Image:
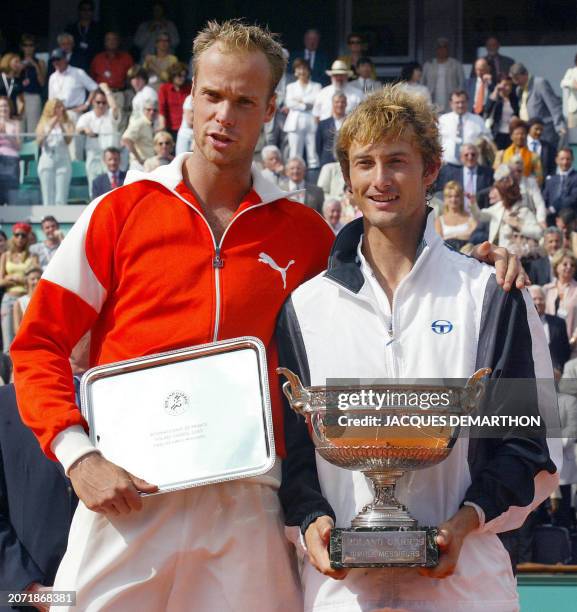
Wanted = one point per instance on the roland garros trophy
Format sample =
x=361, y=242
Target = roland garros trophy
x=383, y=534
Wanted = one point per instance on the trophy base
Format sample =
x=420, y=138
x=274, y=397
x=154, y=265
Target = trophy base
x=383, y=547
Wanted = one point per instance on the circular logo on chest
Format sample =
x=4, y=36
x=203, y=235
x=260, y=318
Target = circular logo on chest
x=176, y=403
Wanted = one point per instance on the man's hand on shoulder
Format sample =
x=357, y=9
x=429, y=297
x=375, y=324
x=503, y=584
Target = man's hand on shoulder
x=450, y=540
x=508, y=268
x=317, y=538
x=107, y=488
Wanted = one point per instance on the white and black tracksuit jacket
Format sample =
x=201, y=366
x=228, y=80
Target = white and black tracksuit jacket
x=338, y=326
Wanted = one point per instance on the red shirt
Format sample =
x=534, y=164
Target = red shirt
x=170, y=104
x=111, y=70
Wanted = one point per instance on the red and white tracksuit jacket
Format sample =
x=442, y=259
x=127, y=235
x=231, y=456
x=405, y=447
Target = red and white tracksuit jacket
x=142, y=271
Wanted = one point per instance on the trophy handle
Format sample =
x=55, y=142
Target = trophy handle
x=296, y=394
x=474, y=389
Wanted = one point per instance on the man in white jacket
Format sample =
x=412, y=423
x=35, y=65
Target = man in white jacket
x=372, y=315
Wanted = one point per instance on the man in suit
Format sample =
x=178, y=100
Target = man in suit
x=327, y=129
x=537, y=99
x=471, y=176
x=443, y=75
x=560, y=189
x=113, y=177
x=459, y=127
x=540, y=270
x=36, y=505
x=543, y=148
x=555, y=330
x=311, y=195
x=317, y=58
x=499, y=64
x=479, y=86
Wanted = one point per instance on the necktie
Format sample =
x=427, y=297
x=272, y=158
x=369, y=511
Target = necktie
x=534, y=146
x=459, y=140
x=480, y=98
x=470, y=182
x=561, y=185
x=113, y=181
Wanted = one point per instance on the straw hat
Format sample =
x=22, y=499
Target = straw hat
x=339, y=67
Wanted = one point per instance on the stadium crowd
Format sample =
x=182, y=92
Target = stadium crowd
x=508, y=174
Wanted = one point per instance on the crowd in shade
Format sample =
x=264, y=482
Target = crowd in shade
x=507, y=177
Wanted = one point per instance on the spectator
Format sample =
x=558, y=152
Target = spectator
x=316, y=58
x=33, y=80
x=171, y=98
x=501, y=107
x=100, y=126
x=54, y=133
x=339, y=74
x=459, y=127
x=113, y=177
x=410, y=80
x=331, y=181
x=65, y=43
x=11, y=83
x=500, y=64
x=300, y=125
x=540, y=270
x=272, y=162
x=44, y=251
x=32, y=276
x=3, y=242
x=508, y=219
x=356, y=46
x=164, y=151
x=560, y=189
x=87, y=35
x=142, y=90
x=36, y=507
x=569, y=86
x=329, y=128
x=138, y=137
x=310, y=194
x=471, y=176
x=365, y=82
x=537, y=99
x=561, y=294
x=530, y=191
x=13, y=265
x=147, y=32
x=332, y=213
x=111, y=66
x=531, y=161
x=479, y=87
x=543, y=148
x=455, y=224
x=184, y=137
x=443, y=75
x=71, y=85
x=9, y=153
x=159, y=63
x=555, y=331
x=566, y=221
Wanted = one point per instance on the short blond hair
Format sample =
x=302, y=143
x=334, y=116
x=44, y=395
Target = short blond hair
x=559, y=256
x=234, y=35
x=453, y=186
x=390, y=114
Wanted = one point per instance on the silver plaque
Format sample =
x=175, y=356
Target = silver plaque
x=184, y=418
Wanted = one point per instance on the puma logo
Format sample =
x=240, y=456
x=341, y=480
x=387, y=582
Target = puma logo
x=269, y=261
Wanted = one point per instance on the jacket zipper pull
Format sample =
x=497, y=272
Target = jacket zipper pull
x=390, y=332
x=217, y=261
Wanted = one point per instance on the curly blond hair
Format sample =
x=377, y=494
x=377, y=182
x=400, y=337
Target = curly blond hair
x=389, y=114
x=235, y=35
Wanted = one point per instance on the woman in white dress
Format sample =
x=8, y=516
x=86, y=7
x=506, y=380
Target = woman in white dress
x=455, y=223
x=300, y=125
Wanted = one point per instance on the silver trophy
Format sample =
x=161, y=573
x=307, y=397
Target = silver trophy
x=383, y=442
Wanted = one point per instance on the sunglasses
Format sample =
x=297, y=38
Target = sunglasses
x=164, y=143
x=20, y=235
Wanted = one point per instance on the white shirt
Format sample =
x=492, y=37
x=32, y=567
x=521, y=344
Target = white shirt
x=441, y=94
x=473, y=129
x=145, y=94
x=469, y=181
x=323, y=107
x=506, y=116
x=310, y=56
x=70, y=86
x=106, y=126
